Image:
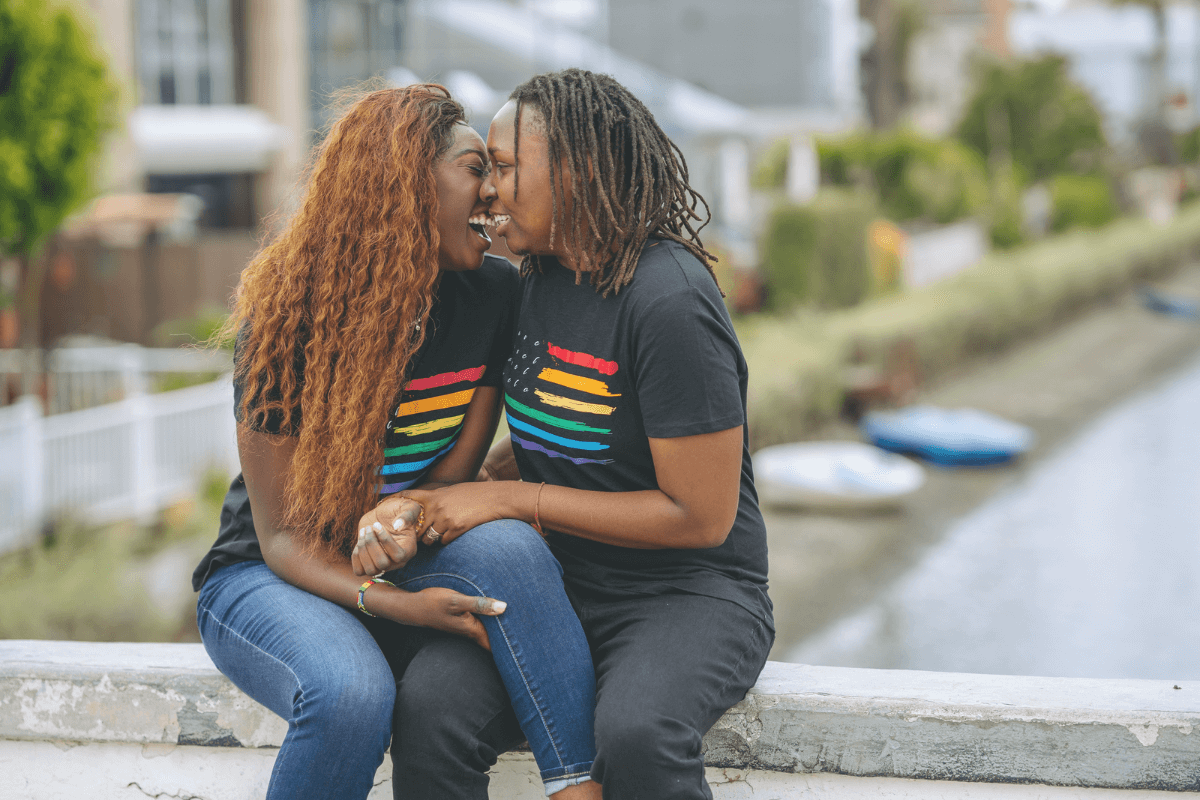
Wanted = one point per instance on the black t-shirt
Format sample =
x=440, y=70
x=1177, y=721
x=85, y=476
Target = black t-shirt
x=591, y=378
x=469, y=339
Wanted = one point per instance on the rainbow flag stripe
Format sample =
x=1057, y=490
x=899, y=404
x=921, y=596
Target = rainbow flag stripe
x=573, y=405
x=577, y=382
x=525, y=427
x=414, y=466
x=534, y=446
x=435, y=403
x=550, y=419
x=445, y=379
x=582, y=359
x=425, y=425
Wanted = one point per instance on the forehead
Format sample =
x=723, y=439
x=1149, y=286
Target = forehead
x=500, y=134
x=463, y=137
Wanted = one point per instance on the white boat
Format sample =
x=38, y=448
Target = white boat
x=834, y=475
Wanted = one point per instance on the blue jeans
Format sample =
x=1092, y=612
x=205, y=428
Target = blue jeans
x=314, y=664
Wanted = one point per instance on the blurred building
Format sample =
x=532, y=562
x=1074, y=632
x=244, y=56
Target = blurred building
x=225, y=97
x=938, y=68
x=215, y=95
x=217, y=99
x=720, y=79
x=1111, y=52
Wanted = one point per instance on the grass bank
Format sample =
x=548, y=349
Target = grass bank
x=797, y=362
x=117, y=582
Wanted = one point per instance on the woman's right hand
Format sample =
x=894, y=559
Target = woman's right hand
x=387, y=536
x=447, y=610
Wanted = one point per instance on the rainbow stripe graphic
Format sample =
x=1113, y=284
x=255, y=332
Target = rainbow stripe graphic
x=545, y=429
x=445, y=379
x=574, y=405
x=582, y=359
x=425, y=427
x=539, y=449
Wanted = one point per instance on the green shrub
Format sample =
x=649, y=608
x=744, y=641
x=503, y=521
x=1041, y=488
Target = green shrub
x=1081, y=202
x=817, y=253
x=198, y=329
x=1031, y=111
x=771, y=170
x=1189, y=146
x=1005, y=217
x=796, y=362
x=916, y=177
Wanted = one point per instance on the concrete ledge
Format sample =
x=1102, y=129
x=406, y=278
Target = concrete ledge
x=923, y=727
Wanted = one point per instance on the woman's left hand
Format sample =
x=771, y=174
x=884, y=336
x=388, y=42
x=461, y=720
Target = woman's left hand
x=453, y=510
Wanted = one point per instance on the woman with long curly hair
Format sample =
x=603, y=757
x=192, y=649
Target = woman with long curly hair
x=371, y=336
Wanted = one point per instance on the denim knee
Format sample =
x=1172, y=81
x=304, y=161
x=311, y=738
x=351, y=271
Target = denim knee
x=503, y=548
x=352, y=703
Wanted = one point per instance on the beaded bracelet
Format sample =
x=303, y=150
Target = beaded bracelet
x=362, y=591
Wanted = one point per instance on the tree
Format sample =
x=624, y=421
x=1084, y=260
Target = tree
x=1032, y=114
x=57, y=103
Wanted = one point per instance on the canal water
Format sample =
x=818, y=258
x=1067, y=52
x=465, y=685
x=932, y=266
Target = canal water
x=1089, y=566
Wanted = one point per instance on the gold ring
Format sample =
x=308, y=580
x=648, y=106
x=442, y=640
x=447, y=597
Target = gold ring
x=432, y=536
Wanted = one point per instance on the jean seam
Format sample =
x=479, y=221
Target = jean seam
x=512, y=651
x=253, y=646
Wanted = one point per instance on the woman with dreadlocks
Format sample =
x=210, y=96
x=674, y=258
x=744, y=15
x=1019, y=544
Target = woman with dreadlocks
x=371, y=340
x=626, y=404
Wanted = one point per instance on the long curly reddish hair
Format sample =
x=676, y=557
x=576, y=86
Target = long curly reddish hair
x=333, y=309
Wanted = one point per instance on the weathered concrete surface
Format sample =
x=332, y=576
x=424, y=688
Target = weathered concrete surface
x=979, y=728
x=47, y=771
x=126, y=707
x=116, y=692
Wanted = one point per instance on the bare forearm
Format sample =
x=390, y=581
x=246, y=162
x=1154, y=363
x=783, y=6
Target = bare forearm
x=645, y=520
x=332, y=579
x=329, y=578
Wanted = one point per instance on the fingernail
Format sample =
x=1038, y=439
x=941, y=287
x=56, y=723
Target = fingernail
x=377, y=527
x=396, y=523
x=362, y=532
x=498, y=606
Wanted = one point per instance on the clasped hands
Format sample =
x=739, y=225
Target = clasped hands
x=388, y=534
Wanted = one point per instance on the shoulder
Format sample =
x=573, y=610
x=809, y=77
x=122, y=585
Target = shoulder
x=494, y=284
x=668, y=273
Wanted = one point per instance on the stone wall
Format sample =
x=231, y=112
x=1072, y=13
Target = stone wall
x=100, y=720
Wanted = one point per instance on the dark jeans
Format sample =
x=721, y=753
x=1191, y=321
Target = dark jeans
x=667, y=668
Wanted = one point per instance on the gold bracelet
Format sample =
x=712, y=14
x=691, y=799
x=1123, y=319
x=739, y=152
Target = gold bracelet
x=537, y=505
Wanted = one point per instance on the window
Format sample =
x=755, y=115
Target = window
x=186, y=52
x=352, y=40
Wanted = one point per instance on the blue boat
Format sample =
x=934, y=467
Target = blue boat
x=949, y=437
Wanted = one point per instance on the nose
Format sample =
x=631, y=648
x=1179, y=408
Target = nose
x=487, y=190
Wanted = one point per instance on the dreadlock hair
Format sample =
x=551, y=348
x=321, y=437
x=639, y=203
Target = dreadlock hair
x=628, y=180
x=333, y=309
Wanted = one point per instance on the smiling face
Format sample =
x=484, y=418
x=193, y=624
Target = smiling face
x=460, y=173
x=522, y=213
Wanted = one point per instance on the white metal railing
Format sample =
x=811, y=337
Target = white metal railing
x=83, y=377
x=123, y=459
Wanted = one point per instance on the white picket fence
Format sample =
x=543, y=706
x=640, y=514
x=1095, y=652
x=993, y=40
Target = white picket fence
x=126, y=459
x=83, y=377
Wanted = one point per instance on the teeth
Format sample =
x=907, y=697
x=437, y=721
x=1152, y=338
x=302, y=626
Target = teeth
x=487, y=220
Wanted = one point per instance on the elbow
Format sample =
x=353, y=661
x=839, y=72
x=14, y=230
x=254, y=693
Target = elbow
x=713, y=533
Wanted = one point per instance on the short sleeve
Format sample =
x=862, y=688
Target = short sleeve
x=273, y=424
x=502, y=334
x=687, y=366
